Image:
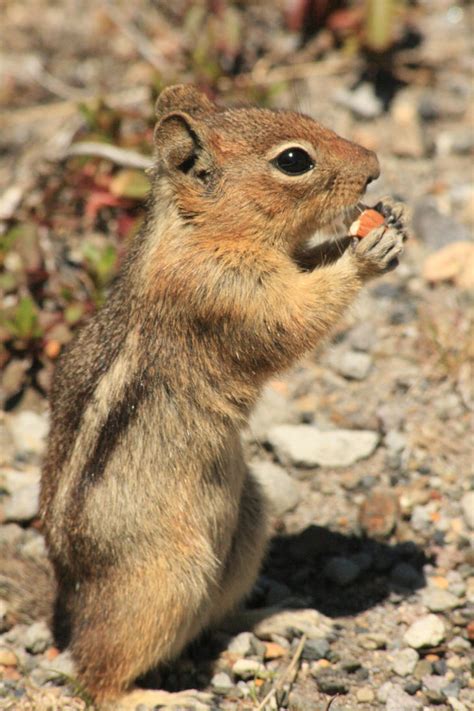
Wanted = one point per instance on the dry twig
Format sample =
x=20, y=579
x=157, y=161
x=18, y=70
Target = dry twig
x=288, y=675
x=119, y=156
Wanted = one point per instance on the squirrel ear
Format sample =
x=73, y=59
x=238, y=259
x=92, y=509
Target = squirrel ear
x=176, y=140
x=182, y=97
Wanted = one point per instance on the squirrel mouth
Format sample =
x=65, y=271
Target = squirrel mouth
x=338, y=225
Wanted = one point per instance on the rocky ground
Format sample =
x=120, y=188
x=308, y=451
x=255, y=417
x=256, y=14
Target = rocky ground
x=364, y=448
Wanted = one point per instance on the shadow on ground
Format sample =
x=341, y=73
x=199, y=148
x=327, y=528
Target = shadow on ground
x=310, y=569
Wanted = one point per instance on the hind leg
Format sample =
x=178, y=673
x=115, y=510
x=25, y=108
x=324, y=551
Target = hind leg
x=246, y=553
x=127, y=622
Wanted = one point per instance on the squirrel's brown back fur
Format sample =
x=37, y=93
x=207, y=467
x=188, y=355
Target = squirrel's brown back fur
x=154, y=525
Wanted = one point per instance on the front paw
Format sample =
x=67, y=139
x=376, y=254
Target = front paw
x=379, y=251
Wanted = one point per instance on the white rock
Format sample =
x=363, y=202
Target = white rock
x=247, y=668
x=309, y=622
x=399, y=700
x=404, y=661
x=306, y=446
x=278, y=486
x=351, y=364
x=29, y=431
x=428, y=631
x=241, y=644
x=438, y=600
x=467, y=505
x=22, y=500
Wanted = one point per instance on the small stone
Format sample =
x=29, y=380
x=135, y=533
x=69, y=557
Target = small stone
x=467, y=505
x=404, y=661
x=428, y=631
x=438, y=600
x=411, y=687
x=241, y=644
x=454, y=262
x=435, y=697
x=284, y=623
x=351, y=364
x=395, y=441
x=362, y=337
x=58, y=670
x=399, y=700
x=273, y=650
x=379, y=513
x=7, y=657
x=37, y=638
x=365, y=695
x=29, y=431
x=422, y=669
x=315, y=649
x=342, y=571
x=306, y=446
x=408, y=136
x=373, y=640
x=280, y=489
x=221, y=683
x=362, y=101
x=247, y=668
x=329, y=683
x=22, y=500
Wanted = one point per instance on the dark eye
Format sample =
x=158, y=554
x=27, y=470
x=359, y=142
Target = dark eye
x=293, y=161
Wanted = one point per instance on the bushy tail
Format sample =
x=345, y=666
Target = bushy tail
x=27, y=584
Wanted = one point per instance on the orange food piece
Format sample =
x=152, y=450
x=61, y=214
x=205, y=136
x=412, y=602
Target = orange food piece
x=367, y=221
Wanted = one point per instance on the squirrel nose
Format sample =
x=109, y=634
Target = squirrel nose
x=373, y=168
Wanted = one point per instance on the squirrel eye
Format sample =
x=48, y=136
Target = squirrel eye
x=293, y=161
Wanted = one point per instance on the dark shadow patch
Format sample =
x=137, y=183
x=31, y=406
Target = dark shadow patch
x=298, y=563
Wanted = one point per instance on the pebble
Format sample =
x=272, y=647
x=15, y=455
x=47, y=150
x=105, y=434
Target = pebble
x=284, y=623
x=241, y=644
x=329, y=682
x=58, y=670
x=467, y=506
x=7, y=657
x=342, y=571
x=428, y=631
x=306, y=446
x=37, y=638
x=221, y=683
x=22, y=500
x=378, y=513
x=404, y=661
x=315, y=649
x=247, y=668
x=351, y=364
x=399, y=700
x=365, y=695
x=362, y=101
x=29, y=431
x=280, y=489
x=438, y=600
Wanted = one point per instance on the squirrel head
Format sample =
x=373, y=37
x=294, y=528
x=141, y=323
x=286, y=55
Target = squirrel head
x=255, y=173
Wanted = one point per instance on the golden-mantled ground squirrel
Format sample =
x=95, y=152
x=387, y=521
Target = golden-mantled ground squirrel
x=154, y=525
